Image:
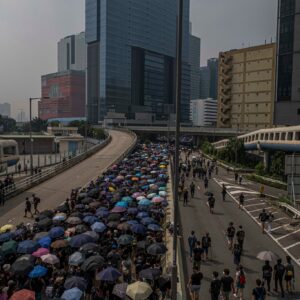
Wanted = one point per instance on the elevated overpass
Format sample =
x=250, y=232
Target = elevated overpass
x=285, y=139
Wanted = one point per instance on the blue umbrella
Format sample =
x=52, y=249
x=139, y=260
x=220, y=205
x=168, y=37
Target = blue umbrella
x=162, y=188
x=27, y=247
x=45, y=242
x=122, y=204
x=151, y=180
x=72, y=294
x=142, y=215
x=154, y=227
x=127, y=199
x=56, y=232
x=145, y=202
x=98, y=227
x=4, y=237
x=109, y=274
x=138, y=228
x=148, y=221
x=132, y=222
x=90, y=219
x=132, y=211
x=38, y=271
x=79, y=240
x=75, y=281
x=102, y=213
x=18, y=232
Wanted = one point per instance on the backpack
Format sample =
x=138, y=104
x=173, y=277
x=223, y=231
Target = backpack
x=263, y=217
x=242, y=279
x=260, y=293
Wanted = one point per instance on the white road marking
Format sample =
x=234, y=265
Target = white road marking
x=264, y=203
x=252, y=199
x=288, y=234
x=278, y=227
x=291, y=246
x=251, y=211
x=244, y=192
x=280, y=219
x=273, y=213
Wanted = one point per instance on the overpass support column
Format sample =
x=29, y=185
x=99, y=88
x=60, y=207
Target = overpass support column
x=197, y=140
x=266, y=160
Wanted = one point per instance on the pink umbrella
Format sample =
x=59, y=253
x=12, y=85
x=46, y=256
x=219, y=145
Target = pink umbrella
x=40, y=252
x=118, y=209
x=137, y=194
x=157, y=200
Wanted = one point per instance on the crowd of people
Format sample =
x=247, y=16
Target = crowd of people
x=106, y=241
x=225, y=286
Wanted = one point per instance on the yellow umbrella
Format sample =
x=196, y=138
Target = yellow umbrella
x=162, y=166
x=139, y=290
x=6, y=228
x=111, y=189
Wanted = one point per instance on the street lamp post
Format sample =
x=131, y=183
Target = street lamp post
x=30, y=130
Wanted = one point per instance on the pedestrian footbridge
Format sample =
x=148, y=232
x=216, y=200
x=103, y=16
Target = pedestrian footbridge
x=285, y=139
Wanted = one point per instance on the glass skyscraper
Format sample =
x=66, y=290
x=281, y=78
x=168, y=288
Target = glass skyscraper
x=131, y=57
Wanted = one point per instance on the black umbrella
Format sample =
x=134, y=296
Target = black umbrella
x=114, y=217
x=125, y=239
x=75, y=282
x=44, y=223
x=164, y=282
x=46, y=213
x=76, y=214
x=40, y=235
x=156, y=249
x=150, y=273
x=81, y=228
x=23, y=265
x=93, y=262
x=87, y=200
x=62, y=208
x=89, y=248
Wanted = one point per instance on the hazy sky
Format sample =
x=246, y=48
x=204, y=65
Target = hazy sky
x=30, y=29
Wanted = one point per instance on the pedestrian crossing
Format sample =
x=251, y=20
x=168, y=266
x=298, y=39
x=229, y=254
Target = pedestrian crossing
x=285, y=235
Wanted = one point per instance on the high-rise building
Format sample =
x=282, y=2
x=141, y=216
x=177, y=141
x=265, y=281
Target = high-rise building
x=287, y=106
x=71, y=53
x=66, y=92
x=204, y=82
x=21, y=117
x=5, y=109
x=194, y=60
x=131, y=51
x=203, y=112
x=247, y=87
x=212, y=65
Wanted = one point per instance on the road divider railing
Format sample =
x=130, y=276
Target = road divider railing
x=30, y=181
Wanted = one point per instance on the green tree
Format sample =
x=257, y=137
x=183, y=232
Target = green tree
x=8, y=124
x=37, y=125
x=235, y=147
x=277, y=164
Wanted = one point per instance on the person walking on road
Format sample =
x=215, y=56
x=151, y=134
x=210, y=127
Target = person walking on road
x=224, y=192
x=205, y=183
x=198, y=253
x=230, y=235
x=262, y=191
x=194, y=284
x=240, y=237
x=267, y=271
x=28, y=208
x=185, y=196
x=206, y=244
x=211, y=203
x=263, y=216
x=36, y=201
x=279, y=270
x=192, y=189
x=227, y=285
x=236, y=177
x=237, y=253
x=215, y=286
x=241, y=200
x=240, y=282
x=270, y=219
x=289, y=274
x=240, y=179
x=259, y=292
x=192, y=240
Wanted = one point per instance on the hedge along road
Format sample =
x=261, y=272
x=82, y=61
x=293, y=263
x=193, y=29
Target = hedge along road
x=55, y=190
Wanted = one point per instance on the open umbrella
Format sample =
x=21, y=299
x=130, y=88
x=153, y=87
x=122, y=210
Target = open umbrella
x=60, y=217
x=118, y=209
x=102, y=213
x=92, y=234
x=157, y=200
x=162, y=193
x=23, y=265
x=81, y=228
x=147, y=221
x=60, y=244
x=9, y=247
x=75, y=281
x=93, y=262
x=109, y=274
x=123, y=226
x=40, y=252
x=122, y=204
x=72, y=294
x=138, y=229
x=90, y=219
x=139, y=290
x=89, y=248
x=4, y=237
x=98, y=227
x=145, y=202
x=6, y=228
x=74, y=220
x=154, y=227
x=156, y=249
x=76, y=259
x=79, y=240
x=114, y=217
x=38, y=271
x=267, y=255
x=40, y=235
x=56, y=232
x=151, y=195
x=45, y=242
x=150, y=273
x=120, y=290
x=23, y=295
x=125, y=239
x=27, y=247
x=50, y=259
x=142, y=215
x=132, y=211
x=127, y=199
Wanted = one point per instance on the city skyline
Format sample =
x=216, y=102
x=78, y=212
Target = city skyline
x=18, y=55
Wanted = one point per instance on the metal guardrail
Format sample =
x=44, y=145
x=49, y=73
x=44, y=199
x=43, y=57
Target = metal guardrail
x=291, y=209
x=26, y=183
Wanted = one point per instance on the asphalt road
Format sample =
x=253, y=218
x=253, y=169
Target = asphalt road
x=55, y=190
x=197, y=217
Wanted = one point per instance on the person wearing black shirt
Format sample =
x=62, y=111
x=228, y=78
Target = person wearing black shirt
x=263, y=216
x=279, y=271
x=206, y=243
x=259, y=292
x=241, y=200
x=267, y=274
x=195, y=283
x=198, y=252
x=28, y=208
x=227, y=285
x=215, y=287
x=240, y=236
x=230, y=235
x=224, y=192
